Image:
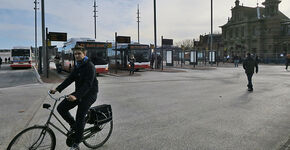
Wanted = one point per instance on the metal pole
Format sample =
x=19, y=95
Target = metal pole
x=95, y=19
x=46, y=63
x=161, y=53
x=138, y=20
x=211, y=28
x=35, y=49
x=43, y=38
x=155, y=35
x=116, y=53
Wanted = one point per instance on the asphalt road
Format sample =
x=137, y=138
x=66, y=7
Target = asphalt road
x=21, y=95
x=196, y=109
x=15, y=77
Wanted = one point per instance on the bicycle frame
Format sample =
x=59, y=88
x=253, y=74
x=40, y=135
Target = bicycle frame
x=48, y=123
x=52, y=114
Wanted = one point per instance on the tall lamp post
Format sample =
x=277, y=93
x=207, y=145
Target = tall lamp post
x=155, y=35
x=45, y=67
x=36, y=49
x=211, y=26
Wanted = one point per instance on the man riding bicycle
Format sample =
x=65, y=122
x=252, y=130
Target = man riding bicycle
x=86, y=90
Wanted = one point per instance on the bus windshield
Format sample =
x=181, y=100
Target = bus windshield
x=20, y=52
x=97, y=56
x=141, y=55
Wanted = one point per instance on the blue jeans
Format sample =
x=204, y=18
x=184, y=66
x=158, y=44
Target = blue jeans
x=236, y=63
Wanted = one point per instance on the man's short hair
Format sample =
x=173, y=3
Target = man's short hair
x=248, y=54
x=79, y=48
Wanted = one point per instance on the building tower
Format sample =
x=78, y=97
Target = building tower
x=237, y=2
x=271, y=7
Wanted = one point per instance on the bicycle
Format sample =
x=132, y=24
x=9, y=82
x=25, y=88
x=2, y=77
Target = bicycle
x=98, y=119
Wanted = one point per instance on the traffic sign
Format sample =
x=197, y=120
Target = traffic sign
x=123, y=39
x=57, y=36
x=167, y=41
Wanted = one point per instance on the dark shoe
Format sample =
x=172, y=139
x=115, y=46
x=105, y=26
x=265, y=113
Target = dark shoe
x=250, y=89
x=75, y=146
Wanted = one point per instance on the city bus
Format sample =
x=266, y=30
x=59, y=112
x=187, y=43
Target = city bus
x=21, y=57
x=141, y=52
x=96, y=51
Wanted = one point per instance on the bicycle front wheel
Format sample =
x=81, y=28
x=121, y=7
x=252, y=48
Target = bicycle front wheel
x=98, y=135
x=32, y=138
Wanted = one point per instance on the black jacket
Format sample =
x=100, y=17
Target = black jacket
x=86, y=83
x=249, y=65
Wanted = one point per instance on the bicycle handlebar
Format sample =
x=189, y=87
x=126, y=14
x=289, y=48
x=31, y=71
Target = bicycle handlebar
x=57, y=99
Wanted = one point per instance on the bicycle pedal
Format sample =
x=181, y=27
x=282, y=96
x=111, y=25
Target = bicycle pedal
x=97, y=129
x=70, y=141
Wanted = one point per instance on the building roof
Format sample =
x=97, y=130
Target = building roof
x=251, y=14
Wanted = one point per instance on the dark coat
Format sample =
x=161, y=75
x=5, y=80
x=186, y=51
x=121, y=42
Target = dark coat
x=86, y=83
x=249, y=65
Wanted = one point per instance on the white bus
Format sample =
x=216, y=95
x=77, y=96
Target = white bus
x=96, y=51
x=21, y=57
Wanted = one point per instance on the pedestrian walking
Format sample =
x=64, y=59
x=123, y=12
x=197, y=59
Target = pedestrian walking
x=287, y=60
x=5, y=60
x=236, y=60
x=0, y=62
x=9, y=60
x=249, y=65
x=86, y=90
x=132, y=64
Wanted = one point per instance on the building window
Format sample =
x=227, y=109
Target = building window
x=243, y=31
x=253, y=30
x=237, y=32
x=225, y=34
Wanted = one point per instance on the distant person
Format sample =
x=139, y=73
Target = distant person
x=249, y=65
x=9, y=60
x=236, y=60
x=5, y=60
x=257, y=59
x=287, y=60
x=152, y=61
x=57, y=63
x=0, y=62
x=159, y=59
x=132, y=64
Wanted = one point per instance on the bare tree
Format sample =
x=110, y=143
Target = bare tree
x=186, y=44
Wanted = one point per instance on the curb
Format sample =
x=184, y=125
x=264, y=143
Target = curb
x=37, y=75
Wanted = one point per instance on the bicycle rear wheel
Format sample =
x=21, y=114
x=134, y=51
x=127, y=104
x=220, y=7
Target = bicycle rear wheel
x=98, y=135
x=32, y=138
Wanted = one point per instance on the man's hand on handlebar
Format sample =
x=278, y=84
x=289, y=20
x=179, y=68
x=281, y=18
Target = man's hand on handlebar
x=52, y=91
x=71, y=98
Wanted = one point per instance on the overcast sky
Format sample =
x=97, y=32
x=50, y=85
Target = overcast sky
x=176, y=19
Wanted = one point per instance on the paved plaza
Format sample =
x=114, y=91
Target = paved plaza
x=191, y=109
